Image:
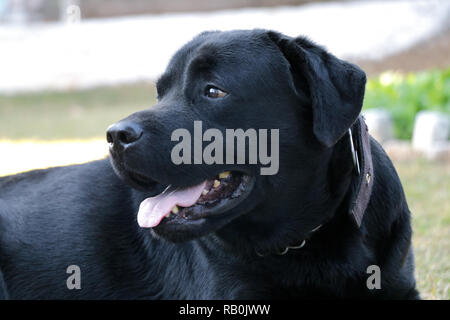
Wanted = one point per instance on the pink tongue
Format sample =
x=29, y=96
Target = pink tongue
x=152, y=210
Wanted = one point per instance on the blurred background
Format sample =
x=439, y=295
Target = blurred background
x=69, y=68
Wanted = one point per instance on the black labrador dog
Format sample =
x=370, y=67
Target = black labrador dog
x=332, y=222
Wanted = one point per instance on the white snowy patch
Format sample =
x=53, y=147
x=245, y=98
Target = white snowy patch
x=110, y=51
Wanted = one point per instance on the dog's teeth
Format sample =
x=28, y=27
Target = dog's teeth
x=175, y=210
x=205, y=192
x=224, y=174
x=216, y=183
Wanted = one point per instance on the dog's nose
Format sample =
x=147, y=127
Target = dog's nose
x=123, y=133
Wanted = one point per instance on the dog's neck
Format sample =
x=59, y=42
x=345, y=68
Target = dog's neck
x=350, y=175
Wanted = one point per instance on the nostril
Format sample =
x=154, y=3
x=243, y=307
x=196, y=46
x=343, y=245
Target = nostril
x=109, y=137
x=123, y=133
x=129, y=134
x=123, y=137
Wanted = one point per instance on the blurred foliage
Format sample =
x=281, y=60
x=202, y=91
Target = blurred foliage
x=405, y=95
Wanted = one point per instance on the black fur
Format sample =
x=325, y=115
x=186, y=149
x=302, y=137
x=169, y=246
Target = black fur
x=86, y=215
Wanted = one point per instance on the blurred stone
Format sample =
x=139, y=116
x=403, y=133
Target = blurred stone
x=400, y=150
x=439, y=152
x=431, y=133
x=380, y=124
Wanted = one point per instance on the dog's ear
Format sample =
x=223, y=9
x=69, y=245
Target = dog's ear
x=336, y=87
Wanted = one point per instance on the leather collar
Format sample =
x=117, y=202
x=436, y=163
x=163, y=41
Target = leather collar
x=360, y=139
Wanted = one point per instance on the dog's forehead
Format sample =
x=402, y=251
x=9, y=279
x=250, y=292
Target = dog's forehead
x=237, y=48
x=224, y=43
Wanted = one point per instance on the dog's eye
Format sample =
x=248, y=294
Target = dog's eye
x=214, y=93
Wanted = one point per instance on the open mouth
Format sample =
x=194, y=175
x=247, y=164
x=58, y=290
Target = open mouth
x=209, y=198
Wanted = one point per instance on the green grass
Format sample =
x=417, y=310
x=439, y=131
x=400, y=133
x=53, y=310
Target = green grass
x=405, y=95
x=70, y=114
x=86, y=114
x=427, y=188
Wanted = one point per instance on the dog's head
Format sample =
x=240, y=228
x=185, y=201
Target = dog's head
x=289, y=94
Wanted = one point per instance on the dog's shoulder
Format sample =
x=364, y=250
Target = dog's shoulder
x=388, y=200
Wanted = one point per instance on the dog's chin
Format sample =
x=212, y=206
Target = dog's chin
x=133, y=178
x=184, y=213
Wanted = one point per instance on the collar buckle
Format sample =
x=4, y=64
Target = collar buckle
x=301, y=245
